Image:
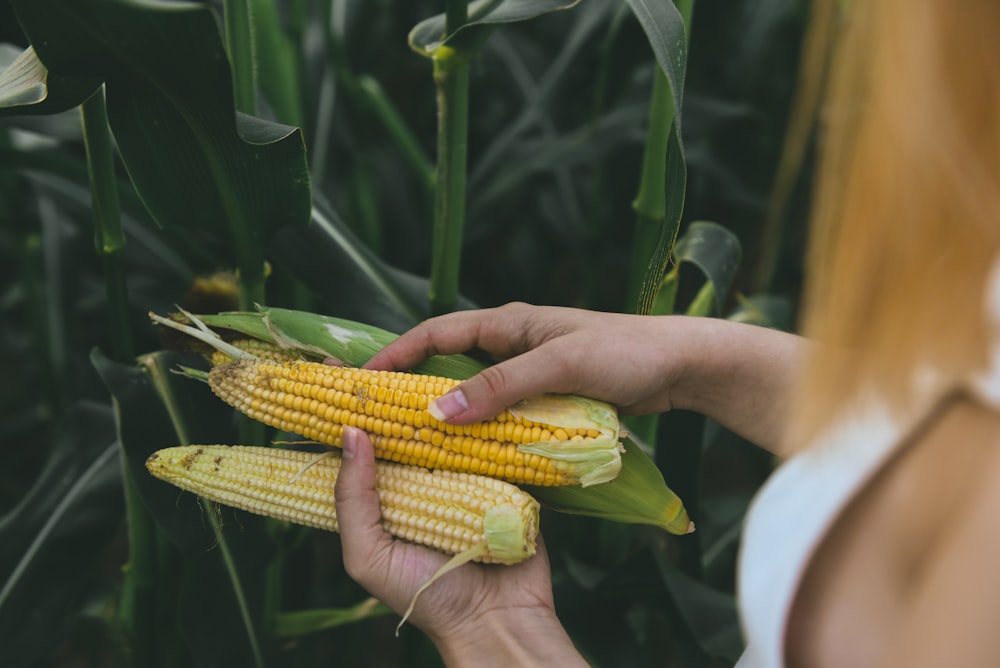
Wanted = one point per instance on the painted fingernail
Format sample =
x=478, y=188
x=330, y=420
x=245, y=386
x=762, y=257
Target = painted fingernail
x=349, y=441
x=449, y=405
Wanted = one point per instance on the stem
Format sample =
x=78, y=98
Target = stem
x=212, y=513
x=109, y=239
x=157, y=373
x=650, y=204
x=374, y=98
x=242, y=53
x=243, y=58
x=137, y=611
x=451, y=75
x=31, y=261
x=369, y=96
x=138, y=603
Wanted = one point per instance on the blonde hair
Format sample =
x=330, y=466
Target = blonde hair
x=906, y=219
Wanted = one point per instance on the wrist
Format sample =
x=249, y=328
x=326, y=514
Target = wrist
x=508, y=637
x=694, y=351
x=740, y=375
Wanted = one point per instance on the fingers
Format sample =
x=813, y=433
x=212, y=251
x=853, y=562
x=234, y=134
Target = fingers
x=365, y=543
x=502, y=385
x=515, y=332
x=502, y=332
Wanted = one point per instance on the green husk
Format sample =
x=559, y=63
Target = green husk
x=601, y=457
x=508, y=536
x=638, y=495
x=353, y=343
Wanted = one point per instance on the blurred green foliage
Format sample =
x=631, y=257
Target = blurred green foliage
x=557, y=119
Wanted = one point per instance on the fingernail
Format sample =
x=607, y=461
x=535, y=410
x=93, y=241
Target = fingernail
x=448, y=405
x=349, y=441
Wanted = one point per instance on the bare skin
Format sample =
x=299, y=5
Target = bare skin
x=477, y=615
x=641, y=364
x=738, y=375
x=907, y=577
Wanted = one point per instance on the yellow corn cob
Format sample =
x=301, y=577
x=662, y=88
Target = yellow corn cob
x=489, y=520
x=546, y=441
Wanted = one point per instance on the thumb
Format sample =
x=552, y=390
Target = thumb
x=498, y=387
x=364, y=541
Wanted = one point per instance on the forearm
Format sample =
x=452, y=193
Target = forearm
x=513, y=638
x=741, y=376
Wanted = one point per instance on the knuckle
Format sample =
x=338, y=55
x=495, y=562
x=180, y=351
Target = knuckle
x=514, y=307
x=494, y=381
x=565, y=360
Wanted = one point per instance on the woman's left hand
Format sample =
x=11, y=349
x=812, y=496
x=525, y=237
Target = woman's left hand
x=477, y=614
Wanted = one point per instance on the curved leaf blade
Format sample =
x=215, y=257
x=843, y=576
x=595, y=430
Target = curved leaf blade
x=27, y=87
x=170, y=105
x=57, y=533
x=716, y=251
x=665, y=29
x=302, y=622
x=484, y=15
x=348, y=277
x=220, y=591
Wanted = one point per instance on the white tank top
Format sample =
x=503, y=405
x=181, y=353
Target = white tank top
x=800, y=502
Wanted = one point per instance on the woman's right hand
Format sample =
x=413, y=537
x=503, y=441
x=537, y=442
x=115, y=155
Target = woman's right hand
x=738, y=374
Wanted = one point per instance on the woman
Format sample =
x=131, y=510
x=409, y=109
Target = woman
x=877, y=542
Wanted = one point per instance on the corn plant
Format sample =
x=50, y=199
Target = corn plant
x=378, y=162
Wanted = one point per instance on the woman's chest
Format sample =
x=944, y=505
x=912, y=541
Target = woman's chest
x=855, y=590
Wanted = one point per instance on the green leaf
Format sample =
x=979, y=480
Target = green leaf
x=638, y=495
x=328, y=257
x=664, y=27
x=225, y=555
x=709, y=615
x=348, y=277
x=764, y=310
x=715, y=251
x=536, y=109
x=278, y=71
x=27, y=87
x=676, y=184
x=484, y=15
x=52, y=541
x=170, y=105
x=666, y=295
x=302, y=622
x=588, y=143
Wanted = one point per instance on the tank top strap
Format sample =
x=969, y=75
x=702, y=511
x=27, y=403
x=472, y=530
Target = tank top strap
x=986, y=385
